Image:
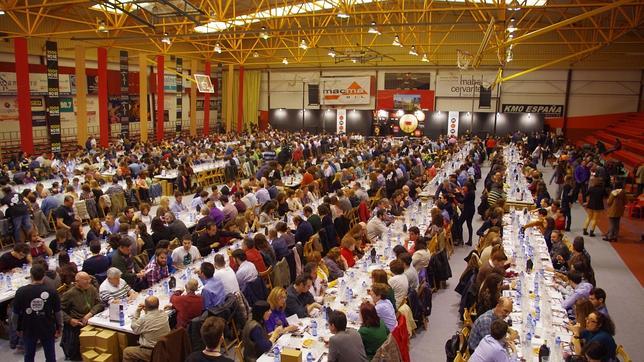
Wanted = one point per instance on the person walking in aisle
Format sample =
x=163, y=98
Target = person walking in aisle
x=37, y=315
x=594, y=205
x=616, y=203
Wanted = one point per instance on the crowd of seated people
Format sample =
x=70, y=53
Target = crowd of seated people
x=483, y=308
x=329, y=237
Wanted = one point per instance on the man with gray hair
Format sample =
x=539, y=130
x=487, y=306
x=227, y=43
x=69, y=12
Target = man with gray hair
x=188, y=305
x=151, y=328
x=114, y=289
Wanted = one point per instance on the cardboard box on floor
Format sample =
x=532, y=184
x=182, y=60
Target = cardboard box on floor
x=104, y=345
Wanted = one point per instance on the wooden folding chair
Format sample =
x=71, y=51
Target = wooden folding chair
x=621, y=353
x=266, y=276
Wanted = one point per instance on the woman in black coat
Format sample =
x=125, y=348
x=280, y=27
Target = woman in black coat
x=595, y=204
x=468, y=210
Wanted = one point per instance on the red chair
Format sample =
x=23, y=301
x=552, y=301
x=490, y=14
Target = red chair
x=635, y=207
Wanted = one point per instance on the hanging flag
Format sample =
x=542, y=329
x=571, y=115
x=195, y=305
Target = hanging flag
x=124, y=109
x=53, y=100
x=452, y=124
x=341, y=121
x=218, y=75
x=179, y=120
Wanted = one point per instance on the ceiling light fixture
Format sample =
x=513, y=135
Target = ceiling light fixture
x=217, y=48
x=285, y=61
x=514, y=5
x=354, y=60
x=512, y=26
x=166, y=39
x=101, y=26
x=509, y=55
x=1, y=12
x=263, y=34
x=425, y=59
x=303, y=44
x=413, y=51
x=255, y=55
x=373, y=29
x=332, y=53
x=342, y=15
x=396, y=42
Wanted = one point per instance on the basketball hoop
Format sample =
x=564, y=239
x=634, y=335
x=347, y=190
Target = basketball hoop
x=463, y=59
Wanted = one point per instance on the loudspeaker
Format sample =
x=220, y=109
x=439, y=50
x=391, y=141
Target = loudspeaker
x=314, y=94
x=485, y=97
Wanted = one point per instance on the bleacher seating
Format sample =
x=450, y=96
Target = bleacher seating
x=630, y=130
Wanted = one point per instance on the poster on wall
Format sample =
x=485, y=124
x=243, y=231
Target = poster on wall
x=452, y=124
x=407, y=102
x=178, y=121
x=125, y=98
x=462, y=84
x=53, y=100
x=9, y=110
x=345, y=90
x=341, y=121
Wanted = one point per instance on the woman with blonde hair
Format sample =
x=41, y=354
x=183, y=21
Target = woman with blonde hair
x=277, y=301
x=347, y=248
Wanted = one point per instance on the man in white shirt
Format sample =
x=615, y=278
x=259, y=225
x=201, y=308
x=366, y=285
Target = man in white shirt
x=246, y=272
x=226, y=275
x=186, y=255
x=249, y=200
x=200, y=200
x=376, y=226
x=178, y=205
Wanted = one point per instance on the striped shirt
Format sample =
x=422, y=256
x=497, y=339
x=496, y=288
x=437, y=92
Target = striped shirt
x=108, y=292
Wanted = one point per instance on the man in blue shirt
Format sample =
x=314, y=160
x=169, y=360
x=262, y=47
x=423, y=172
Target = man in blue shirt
x=213, y=290
x=483, y=323
x=492, y=346
x=598, y=298
x=303, y=231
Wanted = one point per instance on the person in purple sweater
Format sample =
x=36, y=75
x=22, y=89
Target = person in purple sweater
x=581, y=175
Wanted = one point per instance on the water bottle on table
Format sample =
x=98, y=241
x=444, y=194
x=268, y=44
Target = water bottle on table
x=121, y=316
x=309, y=357
x=314, y=328
x=276, y=353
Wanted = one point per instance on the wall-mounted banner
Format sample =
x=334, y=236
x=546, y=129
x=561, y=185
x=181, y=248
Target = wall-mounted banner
x=345, y=90
x=37, y=84
x=462, y=84
x=452, y=124
x=178, y=121
x=548, y=110
x=53, y=100
x=341, y=121
x=125, y=98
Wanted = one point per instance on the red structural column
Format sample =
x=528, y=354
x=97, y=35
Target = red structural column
x=206, y=106
x=103, y=120
x=160, y=96
x=240, y=100
x=24, y=100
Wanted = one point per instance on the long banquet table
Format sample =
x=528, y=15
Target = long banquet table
x=538, y=314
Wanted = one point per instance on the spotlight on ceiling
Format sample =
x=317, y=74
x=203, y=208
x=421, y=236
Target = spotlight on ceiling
x=303, y=44
x=413, y=51
x=332, y=53
x=425, y=59
x=264, y=34
x=400, y=113
x=217, y=48
x=285, y=61
x=255, y=55
x=166, y=39
x=373, y=29
x=396, y=41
